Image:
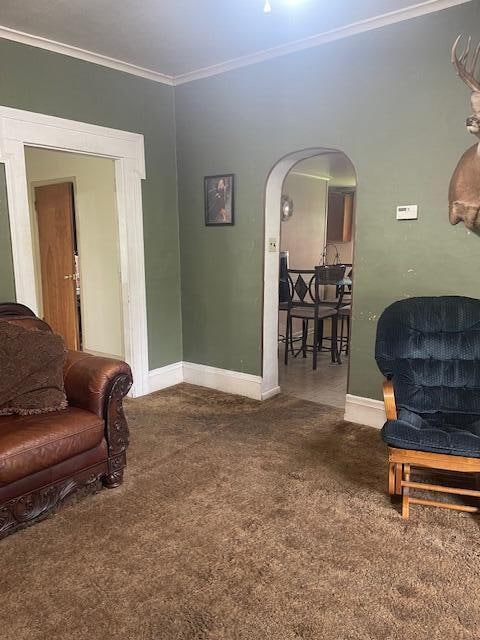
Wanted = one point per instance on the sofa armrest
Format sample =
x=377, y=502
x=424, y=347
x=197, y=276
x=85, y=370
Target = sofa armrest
x=99, y=385
x=389, y=400
x=89, y=380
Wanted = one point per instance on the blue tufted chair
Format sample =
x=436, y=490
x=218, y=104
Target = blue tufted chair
x=429, y=351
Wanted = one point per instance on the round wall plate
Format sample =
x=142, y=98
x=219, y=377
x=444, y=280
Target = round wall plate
x=286, y=208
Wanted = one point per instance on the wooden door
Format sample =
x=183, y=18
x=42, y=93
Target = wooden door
x=347, y=217
x=335, y=216
x=339, y=216
x=55, y=215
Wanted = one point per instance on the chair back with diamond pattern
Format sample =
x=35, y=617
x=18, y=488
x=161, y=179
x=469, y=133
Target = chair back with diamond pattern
x=302, y=287
x=304, y=284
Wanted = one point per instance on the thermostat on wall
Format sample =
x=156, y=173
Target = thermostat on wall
x=407, y=212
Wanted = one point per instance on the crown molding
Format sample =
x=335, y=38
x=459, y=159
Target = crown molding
x=82, y=54
x=362, y=26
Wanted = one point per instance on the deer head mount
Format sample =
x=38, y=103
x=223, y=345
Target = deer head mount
x=464, y=192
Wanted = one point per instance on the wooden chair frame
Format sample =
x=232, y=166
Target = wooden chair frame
x=400, y=462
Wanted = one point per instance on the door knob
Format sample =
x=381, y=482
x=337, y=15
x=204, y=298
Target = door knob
x=69, y=277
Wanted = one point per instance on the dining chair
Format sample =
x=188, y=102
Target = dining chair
x=305, y=304
x=331, y=277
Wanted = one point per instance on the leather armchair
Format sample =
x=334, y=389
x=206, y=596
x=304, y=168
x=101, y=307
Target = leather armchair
x=44, y=458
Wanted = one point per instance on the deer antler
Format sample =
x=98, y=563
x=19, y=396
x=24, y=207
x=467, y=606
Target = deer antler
x=466, y=65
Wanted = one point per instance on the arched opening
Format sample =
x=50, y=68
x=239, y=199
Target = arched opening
x=337, y=172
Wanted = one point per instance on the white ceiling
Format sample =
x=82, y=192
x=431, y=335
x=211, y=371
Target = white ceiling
x=174, y=37
x=335, y=167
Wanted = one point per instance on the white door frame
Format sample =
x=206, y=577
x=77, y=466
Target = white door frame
x=273, y=196
x=24, y=128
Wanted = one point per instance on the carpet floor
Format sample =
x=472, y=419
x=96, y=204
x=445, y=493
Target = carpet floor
x=241, y=520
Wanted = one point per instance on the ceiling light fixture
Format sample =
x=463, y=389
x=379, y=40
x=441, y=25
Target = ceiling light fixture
x=267, y=7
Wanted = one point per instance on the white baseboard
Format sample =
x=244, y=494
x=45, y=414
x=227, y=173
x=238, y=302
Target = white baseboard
x=365, y=411
x=243, y=384
x=359, y=410
x=165, y=376
x=270, y=393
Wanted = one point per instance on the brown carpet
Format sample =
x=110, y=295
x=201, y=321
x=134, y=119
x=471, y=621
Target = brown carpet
x=243, y=521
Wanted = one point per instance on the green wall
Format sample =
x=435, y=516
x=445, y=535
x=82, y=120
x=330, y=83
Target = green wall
x=388, y=98
x=391, y=101
x=45, y=82
x=7, y=283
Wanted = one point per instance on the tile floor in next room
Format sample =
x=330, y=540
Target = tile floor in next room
x=327, y=385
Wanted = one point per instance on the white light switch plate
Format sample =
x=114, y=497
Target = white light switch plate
x=407, y=212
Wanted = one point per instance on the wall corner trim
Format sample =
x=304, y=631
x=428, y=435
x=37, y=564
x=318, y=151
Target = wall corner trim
x=266, y=395
x=164, y=377
x=364, y=411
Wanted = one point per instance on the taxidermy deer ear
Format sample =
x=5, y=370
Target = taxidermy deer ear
x=475, y=99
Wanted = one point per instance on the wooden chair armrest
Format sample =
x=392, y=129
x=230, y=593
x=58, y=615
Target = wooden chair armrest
x=389, y=400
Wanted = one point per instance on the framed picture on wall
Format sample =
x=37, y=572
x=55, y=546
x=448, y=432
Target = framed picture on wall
x=219, y=200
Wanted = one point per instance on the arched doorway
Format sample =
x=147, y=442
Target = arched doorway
x=273, y=196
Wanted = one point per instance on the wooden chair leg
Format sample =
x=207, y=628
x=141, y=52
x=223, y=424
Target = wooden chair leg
x=391, y=478
x=405, y=493
x=477, y=481
x=400, y=481
x=398, y=478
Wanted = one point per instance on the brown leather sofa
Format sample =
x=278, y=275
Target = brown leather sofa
x=46, y=457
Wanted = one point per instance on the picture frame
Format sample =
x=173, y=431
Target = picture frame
x=219, y=200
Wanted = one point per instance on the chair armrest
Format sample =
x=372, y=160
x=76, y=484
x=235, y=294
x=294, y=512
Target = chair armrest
x=89, y=381
x=389, y=400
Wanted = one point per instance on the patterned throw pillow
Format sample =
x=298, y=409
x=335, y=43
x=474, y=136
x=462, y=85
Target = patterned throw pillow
x=31, y=365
